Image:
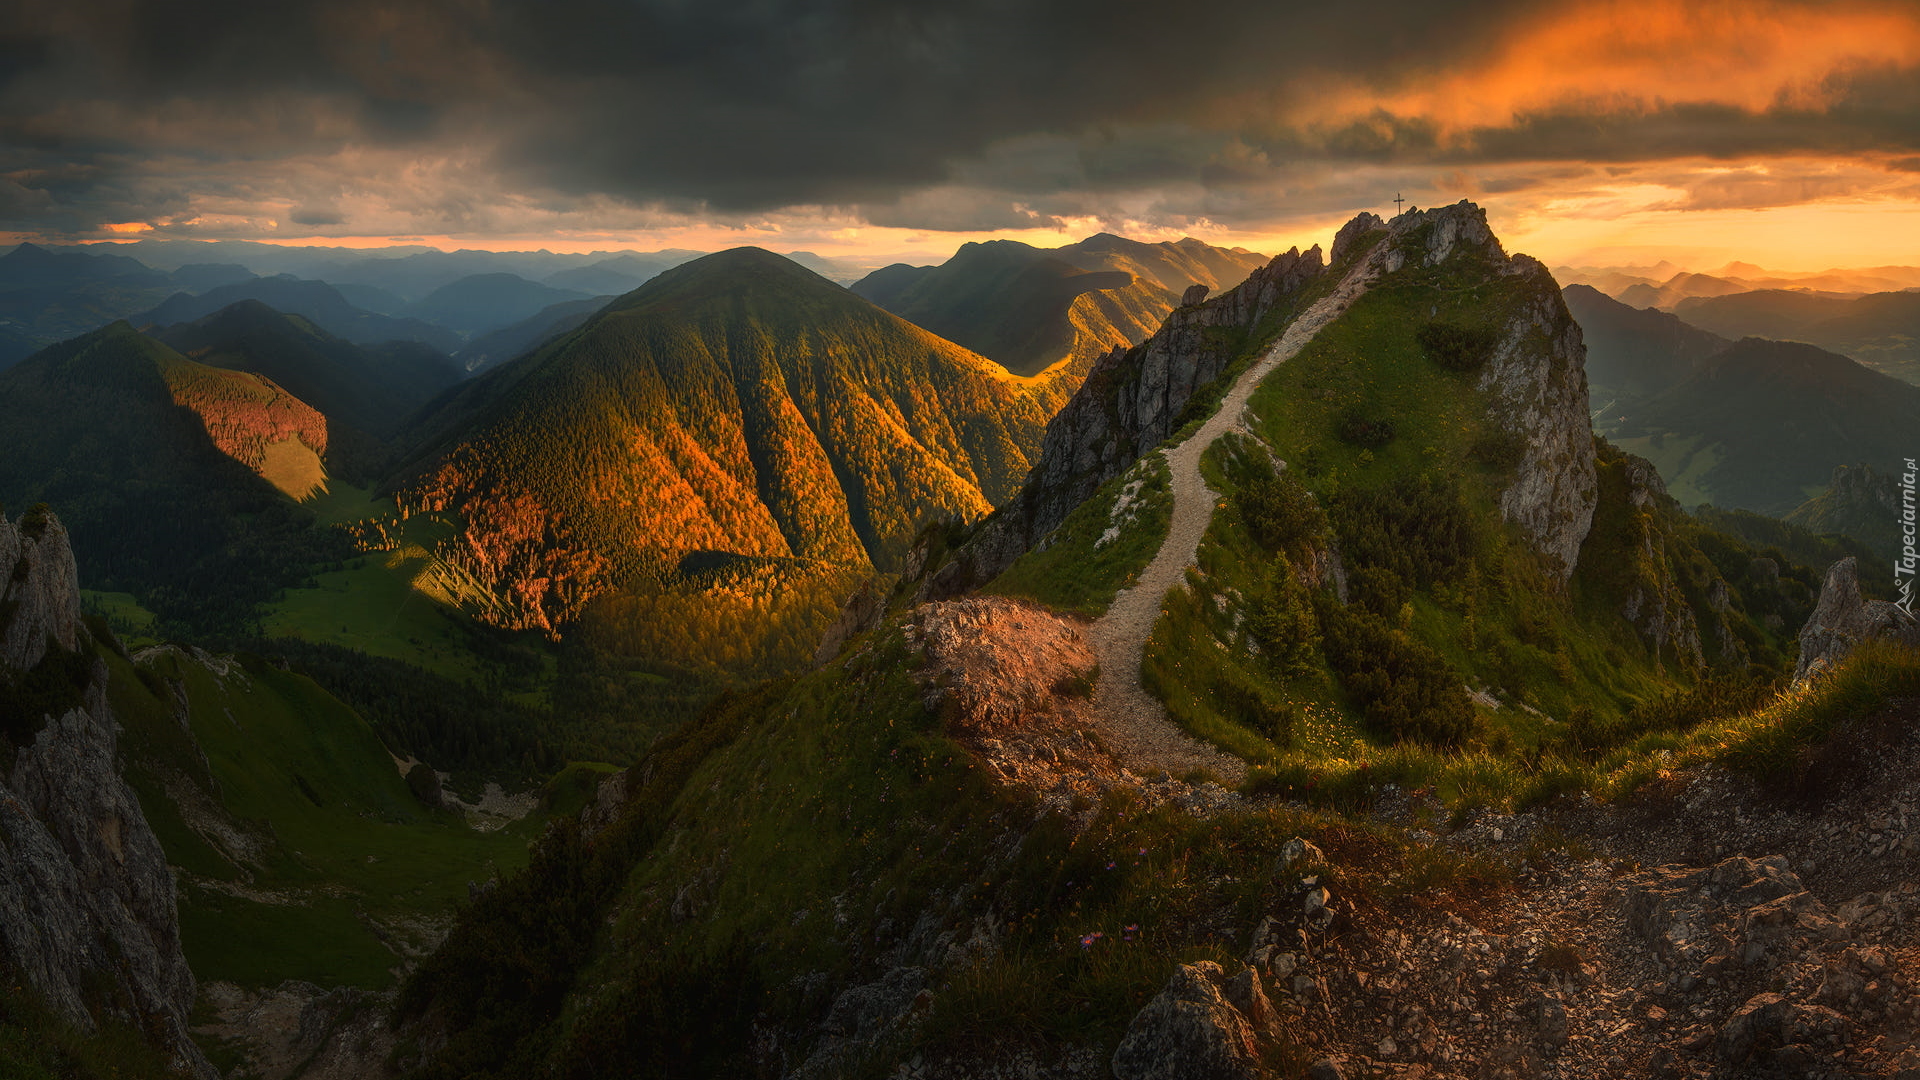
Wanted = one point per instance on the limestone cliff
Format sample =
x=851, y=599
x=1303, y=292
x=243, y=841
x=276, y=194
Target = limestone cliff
x=1537, y=377
x=40, y=597
x=87, y=913
x=1843, y=620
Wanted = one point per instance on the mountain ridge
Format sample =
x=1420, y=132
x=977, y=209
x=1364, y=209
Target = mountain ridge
x=740, y=403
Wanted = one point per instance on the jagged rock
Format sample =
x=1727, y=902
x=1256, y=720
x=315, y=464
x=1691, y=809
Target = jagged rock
x=1250, y=997
x=1195, y=294
x=1762, y=1016
x=1550, y=1018
x=1772, y=1020
x=604, y=810
x=1678, y=911
x=861, y=1017
x=1351, y=233
x=87, y=908
x=1190, y=1031
x=1842, y=619
x=1537, y=374
x=299, y=1030
x=1298, y=852
x=40, y=596
x=1325, y=1069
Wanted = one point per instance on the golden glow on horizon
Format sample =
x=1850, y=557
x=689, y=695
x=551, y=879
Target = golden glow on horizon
x=1609, y=225
x=126, y=228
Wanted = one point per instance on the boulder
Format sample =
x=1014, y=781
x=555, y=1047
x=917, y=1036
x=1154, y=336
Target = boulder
x=1191, y=1031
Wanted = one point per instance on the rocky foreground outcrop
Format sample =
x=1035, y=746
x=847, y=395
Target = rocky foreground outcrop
x=87, y=915
x=1843, y=620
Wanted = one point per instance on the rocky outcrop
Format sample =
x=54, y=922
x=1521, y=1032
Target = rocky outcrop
x=298, y=1030
x=1537, y=377
x=1192, y=1030
x=40, y=596
x=1842, y=620
x=87, y=913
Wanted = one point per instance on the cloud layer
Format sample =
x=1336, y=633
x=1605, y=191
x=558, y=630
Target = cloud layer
x=480, y=117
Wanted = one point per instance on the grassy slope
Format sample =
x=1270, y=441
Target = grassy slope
x=399, y=600
x=787, y=842
x=737, y=409
x=1073, y=569
x=343, y=853
x=1497, y=624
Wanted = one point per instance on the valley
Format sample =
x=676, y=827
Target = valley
x=744, y=677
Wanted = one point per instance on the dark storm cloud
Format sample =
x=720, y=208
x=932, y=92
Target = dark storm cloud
x=737, y=107
x=888, y=105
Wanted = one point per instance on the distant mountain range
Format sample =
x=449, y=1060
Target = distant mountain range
x=1033, y=308
x=1753, y=424
x=1871, y=315
x=314, y=300
x=371, y=388
x=1881, y=330
x=1665, y=285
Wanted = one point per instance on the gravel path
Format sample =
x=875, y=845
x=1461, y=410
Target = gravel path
x=1135, y=725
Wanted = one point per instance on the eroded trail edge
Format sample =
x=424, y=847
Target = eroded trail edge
x=1134, y=724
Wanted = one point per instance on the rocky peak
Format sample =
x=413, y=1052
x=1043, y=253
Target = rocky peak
x=1536, y=374
x=1842, y=620
x=40, y=594
x=1352, y=233
x=1430, y=236
x=87, y=907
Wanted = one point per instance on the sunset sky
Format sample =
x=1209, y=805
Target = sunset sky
x=1785, y=134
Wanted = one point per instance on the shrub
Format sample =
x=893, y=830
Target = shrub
x=1255, y=708
x=1420, y=529
x=1405, y=689
x=1282, y=621
x=1500, y=450
x=1357, y=427
x=1378, y=589
x=1278, y=511
x=1456, y=347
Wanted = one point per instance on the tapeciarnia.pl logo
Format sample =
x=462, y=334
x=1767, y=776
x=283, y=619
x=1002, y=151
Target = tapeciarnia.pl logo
x=1903, y=567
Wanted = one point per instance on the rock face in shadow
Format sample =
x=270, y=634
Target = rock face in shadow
x=1842, y=620
x=87, y=909
x=40, y=597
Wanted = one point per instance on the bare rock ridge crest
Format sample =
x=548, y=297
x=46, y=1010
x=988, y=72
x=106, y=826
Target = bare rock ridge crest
x=86, y=898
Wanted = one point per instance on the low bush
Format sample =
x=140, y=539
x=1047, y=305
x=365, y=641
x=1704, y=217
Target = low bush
x=1456, y=347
